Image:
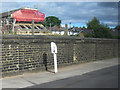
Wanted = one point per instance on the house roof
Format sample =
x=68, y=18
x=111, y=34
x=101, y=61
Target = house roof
x=76, y=29
x=115, y=32
x=57, y=28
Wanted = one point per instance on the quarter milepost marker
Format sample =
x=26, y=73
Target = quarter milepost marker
x=54, y=51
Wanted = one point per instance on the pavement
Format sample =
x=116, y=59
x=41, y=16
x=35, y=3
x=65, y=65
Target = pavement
x=31, y=79
x=103, y=78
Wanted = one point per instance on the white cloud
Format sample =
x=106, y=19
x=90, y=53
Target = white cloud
x=74, y=21
x=60, y=1
x=110, y=23
x=76, y=12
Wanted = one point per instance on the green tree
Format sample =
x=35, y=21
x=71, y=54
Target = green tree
x=93, y=23
x=99, y=30
x=83, y=27
x=52, y=20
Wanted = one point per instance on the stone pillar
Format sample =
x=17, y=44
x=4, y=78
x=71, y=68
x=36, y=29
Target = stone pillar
x=66, y=29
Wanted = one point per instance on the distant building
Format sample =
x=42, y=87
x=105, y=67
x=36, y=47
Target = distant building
x=57, y=30
x=79, y=31
x=61, y=31
x=115, y=32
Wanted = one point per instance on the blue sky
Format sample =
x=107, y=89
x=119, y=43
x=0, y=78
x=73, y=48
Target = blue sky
x=78, y=13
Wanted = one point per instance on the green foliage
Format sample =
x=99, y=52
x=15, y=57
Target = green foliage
x=88, y=35
x=84, y=27
x=93, y=23
x=43, y=23
x=99, y=30
x=116, y=37
x=53, y=20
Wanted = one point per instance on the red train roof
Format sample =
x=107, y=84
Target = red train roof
x=28, y=15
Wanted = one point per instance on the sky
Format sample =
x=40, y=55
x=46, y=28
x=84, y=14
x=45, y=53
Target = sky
x=78, y=13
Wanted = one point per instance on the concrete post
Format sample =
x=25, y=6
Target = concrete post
x=32, y=27
x=66, y=29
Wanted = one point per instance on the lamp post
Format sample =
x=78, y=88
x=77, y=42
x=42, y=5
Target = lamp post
x=70, y=24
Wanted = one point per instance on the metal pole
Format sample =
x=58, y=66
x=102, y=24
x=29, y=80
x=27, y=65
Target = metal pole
x=70, y=24
x=55, y=63
x=8, y=17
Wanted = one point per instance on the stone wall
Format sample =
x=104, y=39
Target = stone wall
x=22, y=54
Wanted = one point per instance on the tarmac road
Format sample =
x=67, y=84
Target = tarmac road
x=103, y=78
x=102, y=73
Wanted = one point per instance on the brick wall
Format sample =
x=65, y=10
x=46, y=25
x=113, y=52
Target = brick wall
x=22, y=54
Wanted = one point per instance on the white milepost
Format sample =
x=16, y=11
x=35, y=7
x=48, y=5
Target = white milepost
x=54, y=51
x=55, y=62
